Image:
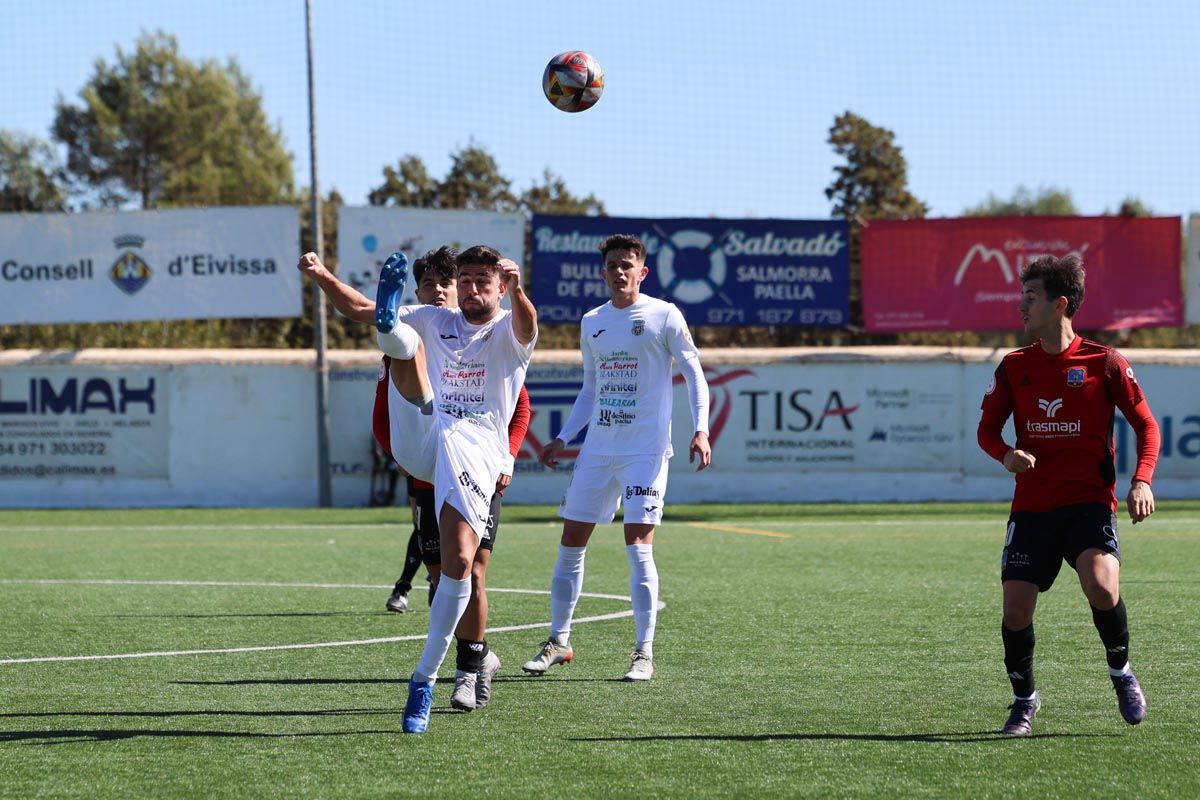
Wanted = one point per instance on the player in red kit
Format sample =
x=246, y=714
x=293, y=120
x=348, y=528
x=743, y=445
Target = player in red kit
x=1062, y=392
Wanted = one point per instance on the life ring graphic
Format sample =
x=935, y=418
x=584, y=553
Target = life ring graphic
x=691, y=290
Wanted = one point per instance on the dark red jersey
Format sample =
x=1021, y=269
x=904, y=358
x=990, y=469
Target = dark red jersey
x=1063, y=407
x=518, y=426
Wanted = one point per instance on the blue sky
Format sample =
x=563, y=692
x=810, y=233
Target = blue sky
x=711, y=109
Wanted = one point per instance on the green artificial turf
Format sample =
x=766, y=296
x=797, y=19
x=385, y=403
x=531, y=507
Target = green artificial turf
x=823, y=651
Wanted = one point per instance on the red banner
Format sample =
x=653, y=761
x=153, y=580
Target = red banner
x=962, y=274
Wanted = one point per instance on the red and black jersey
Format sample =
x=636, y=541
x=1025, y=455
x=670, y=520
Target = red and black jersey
x=518, y=426
x=1063, y=407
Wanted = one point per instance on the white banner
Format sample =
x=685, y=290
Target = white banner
x=368, y=235
x=1191, y=289
x=59, y=423
x=241, y=429
x=772, y=418
x=149, y=265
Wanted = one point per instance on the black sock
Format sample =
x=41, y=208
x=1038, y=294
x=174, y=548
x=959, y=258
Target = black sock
x=471, y=655
x=412, y=563
x=1018, y=659
x=1113, y=626
x=432, y=592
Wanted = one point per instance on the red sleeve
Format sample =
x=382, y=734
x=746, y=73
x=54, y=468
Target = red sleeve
x=379, y=414
x=997, y=407
x=1128, y=396
x=518, y=426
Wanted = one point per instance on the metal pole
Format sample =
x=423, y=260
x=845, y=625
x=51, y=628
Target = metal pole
x=324, y=490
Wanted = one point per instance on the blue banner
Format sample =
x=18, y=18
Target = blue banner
x=718, y=271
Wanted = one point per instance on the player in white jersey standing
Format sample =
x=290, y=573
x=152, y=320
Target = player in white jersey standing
x=627, y=345
x=454, y=433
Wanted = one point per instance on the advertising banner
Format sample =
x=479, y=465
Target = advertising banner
x=149, y=265
x=59, y=423
x=368, y=235
x=1193, y=270
x=962, y=274
x=718, y=271
x=790, y=418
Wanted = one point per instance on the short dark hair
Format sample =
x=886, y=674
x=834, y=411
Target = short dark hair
x=623, y=241
x=440, y=261
x=1060, y=277
x=480, y=254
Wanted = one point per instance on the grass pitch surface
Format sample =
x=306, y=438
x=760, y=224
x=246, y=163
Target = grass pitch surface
x=824, y=651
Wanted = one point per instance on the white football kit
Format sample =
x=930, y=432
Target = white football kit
x=626, y=404
x=476, y=372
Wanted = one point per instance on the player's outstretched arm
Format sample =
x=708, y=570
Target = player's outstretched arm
x=1140, y=501
x=345, y=298
x=524, y=314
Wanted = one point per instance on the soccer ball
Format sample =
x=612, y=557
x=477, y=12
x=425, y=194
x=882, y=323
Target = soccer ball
x=573, y=81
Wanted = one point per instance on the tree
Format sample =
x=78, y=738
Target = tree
x=475, y=182
x=553, y=197
x=1133, y=207
x=873, y=183
x=409, y=185
x=31, y=179
x=162, y=130
x=1047, y=202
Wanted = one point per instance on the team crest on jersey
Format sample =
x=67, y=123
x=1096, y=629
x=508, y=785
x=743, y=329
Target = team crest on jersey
x=1076, y=376
x=639, y=327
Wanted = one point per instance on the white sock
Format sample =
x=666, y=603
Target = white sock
x=1117, y=673
x=449, y=603
x=564, y=591
x=643, y=590
x=401, y=343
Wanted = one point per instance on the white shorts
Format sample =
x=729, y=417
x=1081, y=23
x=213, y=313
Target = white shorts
x=600, y=483
x=467, y=469
x=462, y=465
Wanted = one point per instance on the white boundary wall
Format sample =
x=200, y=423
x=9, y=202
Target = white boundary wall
x=237, y=427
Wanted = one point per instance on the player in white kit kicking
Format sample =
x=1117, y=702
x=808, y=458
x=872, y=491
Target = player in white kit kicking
x=627, y=344
x=454, y=433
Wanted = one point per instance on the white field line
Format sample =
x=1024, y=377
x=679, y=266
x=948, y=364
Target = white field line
x=800, y=522
x=304, y=646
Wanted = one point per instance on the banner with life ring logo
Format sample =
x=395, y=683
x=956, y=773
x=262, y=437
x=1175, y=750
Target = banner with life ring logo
x=718, y=271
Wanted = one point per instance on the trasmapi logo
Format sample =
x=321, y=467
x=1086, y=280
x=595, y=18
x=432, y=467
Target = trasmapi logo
x=1051, y=407
x=1054, y=428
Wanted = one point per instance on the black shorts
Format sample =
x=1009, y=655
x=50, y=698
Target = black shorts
x=427, y=527
x=1038, y=542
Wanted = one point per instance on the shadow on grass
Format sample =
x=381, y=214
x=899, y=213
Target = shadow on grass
x=919, y=738
x=81, y=736
x=321, y=712
x=397, y=681
x=249, y=615
x=293, y=682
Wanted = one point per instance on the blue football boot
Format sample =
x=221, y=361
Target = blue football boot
x=391, y=287
x=416, y=710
